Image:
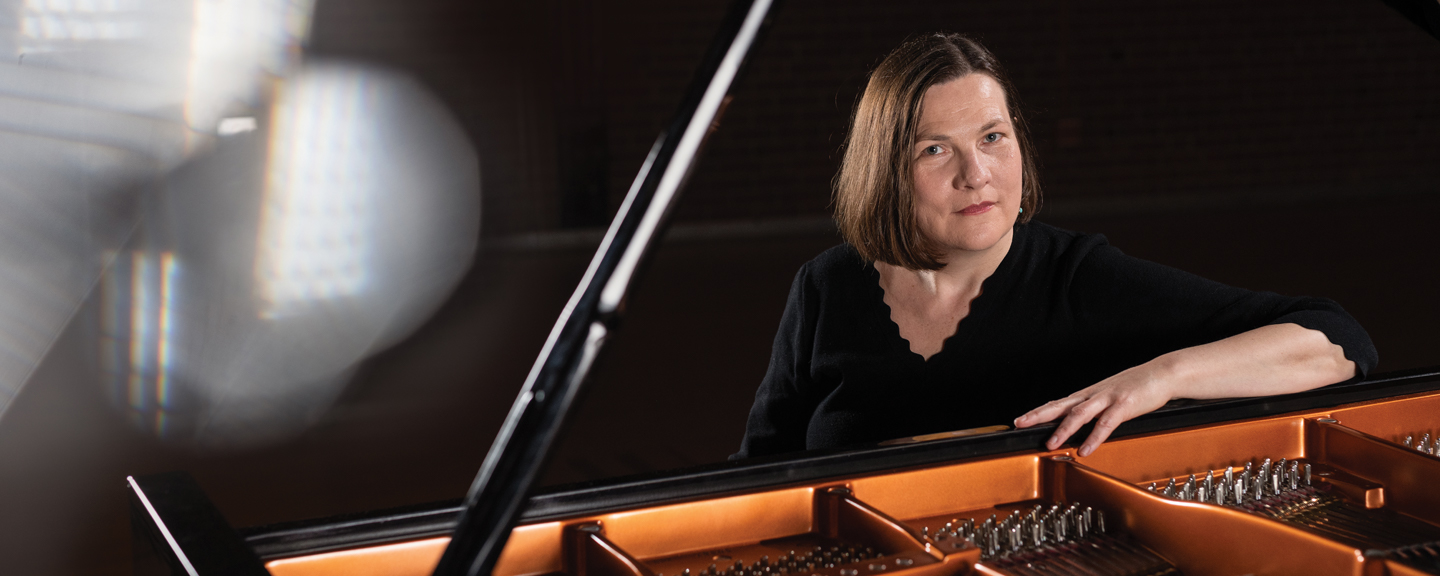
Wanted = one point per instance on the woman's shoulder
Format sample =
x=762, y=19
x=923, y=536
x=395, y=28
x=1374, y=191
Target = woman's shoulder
x=1041, y=242
x=839, y=259
x=840, y=265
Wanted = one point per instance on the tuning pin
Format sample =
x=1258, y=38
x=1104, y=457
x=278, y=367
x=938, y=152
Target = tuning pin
x=1307, y=474
x=1229, y=475
x=1169, y=491
x=1219, y=494
x=1151, y=487
x=1210, y=481
x=1294, y=475
x=1259, y=489
x=1409, y=442
x=1238, y=493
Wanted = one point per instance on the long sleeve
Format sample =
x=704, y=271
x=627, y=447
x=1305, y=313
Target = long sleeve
x=1062, y=312
x=1123, y=299
x=785, y=401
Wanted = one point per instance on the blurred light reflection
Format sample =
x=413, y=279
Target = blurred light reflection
x=264, y=272
x=99, y=98
x=317, y=211
x=78, y=20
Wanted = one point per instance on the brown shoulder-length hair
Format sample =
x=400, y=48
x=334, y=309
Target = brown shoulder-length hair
x=874, y=191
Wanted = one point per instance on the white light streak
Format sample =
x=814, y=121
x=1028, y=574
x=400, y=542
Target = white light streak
x=317, y=213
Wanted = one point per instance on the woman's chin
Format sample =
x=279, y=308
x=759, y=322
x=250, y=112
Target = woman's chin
x=976, y=238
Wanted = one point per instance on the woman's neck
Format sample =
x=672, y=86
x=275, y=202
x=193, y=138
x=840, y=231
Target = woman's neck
x=964, y=271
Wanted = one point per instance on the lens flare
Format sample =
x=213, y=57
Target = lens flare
x=265, y=271
x=98, y=99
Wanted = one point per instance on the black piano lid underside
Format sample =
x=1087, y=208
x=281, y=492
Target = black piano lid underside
x=714, y=480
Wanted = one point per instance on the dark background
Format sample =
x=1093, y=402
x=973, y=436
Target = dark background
x=1277, y=145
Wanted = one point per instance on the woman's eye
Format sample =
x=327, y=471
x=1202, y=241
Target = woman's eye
x=992, y=137
x=933, y=150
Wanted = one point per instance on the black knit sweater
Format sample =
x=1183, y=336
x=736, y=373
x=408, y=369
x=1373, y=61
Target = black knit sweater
x=1063, y=311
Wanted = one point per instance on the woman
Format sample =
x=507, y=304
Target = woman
x=948, y=308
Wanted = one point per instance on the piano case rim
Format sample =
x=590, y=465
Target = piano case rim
x=313, y=536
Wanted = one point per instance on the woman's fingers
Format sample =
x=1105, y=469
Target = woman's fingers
x=1104, y=425
x=1122, y=408
x=1109, y=403
x=1079, y=415
x=1048, y=412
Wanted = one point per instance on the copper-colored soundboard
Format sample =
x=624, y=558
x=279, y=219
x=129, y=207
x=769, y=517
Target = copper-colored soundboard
x=1357, y=493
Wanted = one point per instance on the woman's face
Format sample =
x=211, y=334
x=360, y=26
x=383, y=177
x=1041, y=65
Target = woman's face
x=967, y=165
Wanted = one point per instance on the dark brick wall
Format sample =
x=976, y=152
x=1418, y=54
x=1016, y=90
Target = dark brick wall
x=564, y=98
x=1125, y=98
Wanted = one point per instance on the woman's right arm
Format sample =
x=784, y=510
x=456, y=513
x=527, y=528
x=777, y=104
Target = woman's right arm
x=785, y=401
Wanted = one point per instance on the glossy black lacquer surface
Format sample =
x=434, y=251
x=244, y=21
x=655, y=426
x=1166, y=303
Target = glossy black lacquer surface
x=520, y=449
x=298, y=538
x=1424, y=13
x=179, y=532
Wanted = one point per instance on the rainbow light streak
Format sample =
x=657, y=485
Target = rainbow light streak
x=153, y=286
x=139, y=312
x=168, y=273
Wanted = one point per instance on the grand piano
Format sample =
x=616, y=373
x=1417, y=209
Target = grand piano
x=1340, y=480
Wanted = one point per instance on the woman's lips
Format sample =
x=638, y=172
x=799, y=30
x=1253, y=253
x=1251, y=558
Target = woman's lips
x=975, y=209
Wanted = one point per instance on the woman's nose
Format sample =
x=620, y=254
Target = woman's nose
x=971, y=172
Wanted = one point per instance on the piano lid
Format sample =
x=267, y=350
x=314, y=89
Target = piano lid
x=493, y=504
